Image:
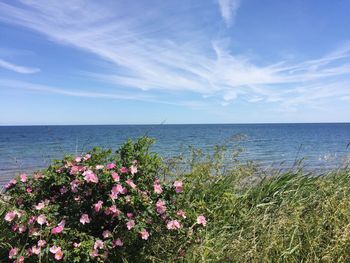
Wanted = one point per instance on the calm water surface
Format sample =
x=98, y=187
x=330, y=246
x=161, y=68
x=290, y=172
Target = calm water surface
x=25, y=148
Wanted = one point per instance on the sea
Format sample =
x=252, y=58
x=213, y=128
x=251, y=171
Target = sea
x=320, y=146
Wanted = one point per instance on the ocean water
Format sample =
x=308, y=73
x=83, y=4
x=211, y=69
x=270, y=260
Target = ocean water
x=323, y=146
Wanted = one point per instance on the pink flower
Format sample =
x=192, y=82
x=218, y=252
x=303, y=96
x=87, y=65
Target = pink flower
x=117, y=189
x=36, y=250
x=24, y=178
x=57, y=251
x=41, y=243
x=99, y=167
x=22, y=229
x=160, y=207
x=123, y=170
x=181, y=213
x=84, y=219
x=40, y=205
x=63, y=190
x=54, y=249
x=10, y=216
x=117, y=243
x=106, y=234
x=201, y=220
x=173, y=224
x=76, y=169
x=129, y=215
x=41, y=220
x=13, y=182
x=75, y=244
x=115, y=177
x=19, y=260
x=58, y=229
x=59, y=255
x=130, y=224
x=110, y=166
x=78, y=159
x=87, y=157
x=178, y=186
x=29, y=190
x=98, y=206
x=113, y=210
x=13, y=252
x=133, y=169
x=157, y=188
x=98, y=244
x=131, y=183
x=89, y=176
x=144, y=234
x=74, y=185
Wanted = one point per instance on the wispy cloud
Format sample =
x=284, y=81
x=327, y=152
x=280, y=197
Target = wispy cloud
x=228, y=10
x=17, y=68
x=176, y=61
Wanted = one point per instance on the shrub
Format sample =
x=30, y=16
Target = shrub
x=99, y=207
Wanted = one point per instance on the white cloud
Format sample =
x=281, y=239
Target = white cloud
x=17, y=68
x=186, y=62
x=228, y=10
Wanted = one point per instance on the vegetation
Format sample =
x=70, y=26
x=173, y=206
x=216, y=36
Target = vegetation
x=234, y=212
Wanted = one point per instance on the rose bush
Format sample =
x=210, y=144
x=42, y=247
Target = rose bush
x=97, y=207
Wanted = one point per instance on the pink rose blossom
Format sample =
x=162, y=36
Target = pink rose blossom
x=133, y=169
x=89, y=176
x=36, y=250
x=19, y=260
x=10, y=216
x=99, y=167
x=130, y=224
x=160, y=207
x=113, y=210
x=63, y=190
x=78, y=159
x=59, y=228
x=123, y=170
x=57, y=251
x=178, y=186
x=77, y=198
x=98, y=244
x=117, y=243
x=24, y=178
x=98, y=206
x=40, y=205
x=75, y=244
x=22, y=229
x=181, y=213
x=106, y=234
x=76, y=169
x=201, y=220
x=54, y=249
x=41, y=243
x=59, y=255
x=144, y=234
x=74, y=185
x=87, y=157
x=173, y=224
x=29, y=190
x=94, y=253
x=41, y=220
x=131, y=183
x=115, y=177
x=110, y=166
x=157, y=188
x=84, y=219
x=13, y=252
x=129, y=215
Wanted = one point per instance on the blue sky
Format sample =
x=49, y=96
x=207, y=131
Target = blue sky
x=181, y=61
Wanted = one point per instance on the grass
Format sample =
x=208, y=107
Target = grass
x=258, y=216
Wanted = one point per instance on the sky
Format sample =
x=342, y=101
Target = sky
x=178, y=61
